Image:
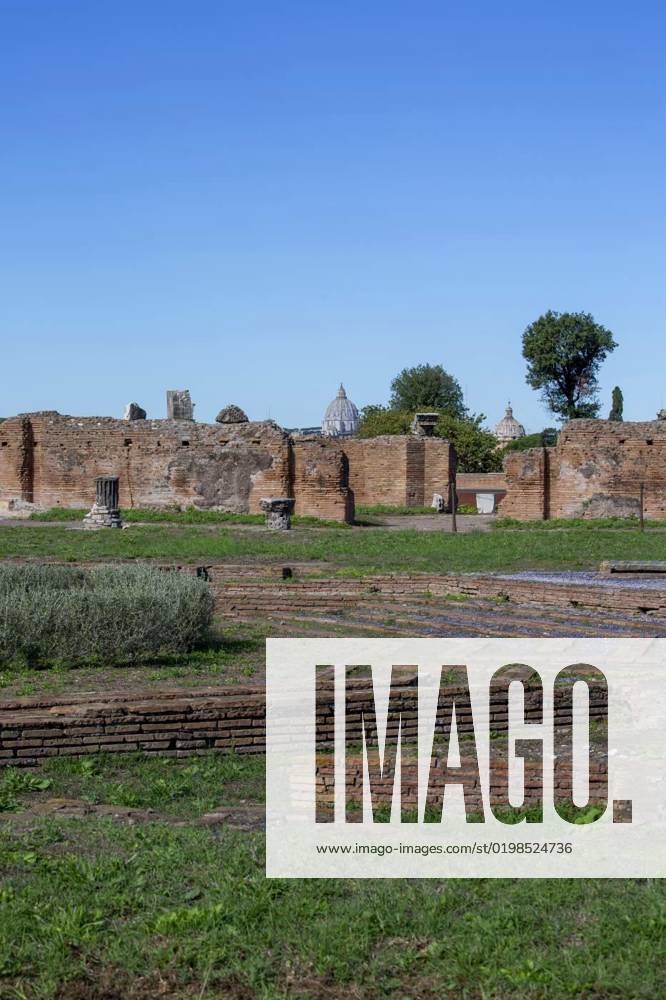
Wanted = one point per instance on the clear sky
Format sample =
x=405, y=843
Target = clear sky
x=256, y=200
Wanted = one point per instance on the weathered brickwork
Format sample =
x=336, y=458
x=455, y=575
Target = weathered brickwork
x=238, y=595
x=176, y=723
x=52, y=460
x=399, y=470
x=526, y=484
x=409, y=771
x=182, y=722
x=321, y=479
x=594, y=471
x=492, y=481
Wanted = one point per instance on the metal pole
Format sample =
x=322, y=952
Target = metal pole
x=641, y=513
x=454, y=501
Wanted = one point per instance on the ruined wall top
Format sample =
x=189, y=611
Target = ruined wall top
x=613, y=430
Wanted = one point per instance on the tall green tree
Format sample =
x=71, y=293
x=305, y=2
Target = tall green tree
x=427, y=387
x=564, y=352
x=617, y=406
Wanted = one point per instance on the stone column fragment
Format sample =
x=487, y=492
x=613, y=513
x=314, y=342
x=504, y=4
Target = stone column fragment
x=105, y=512
x=278, y=512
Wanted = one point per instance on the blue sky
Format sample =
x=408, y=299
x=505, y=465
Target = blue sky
x=257, y=200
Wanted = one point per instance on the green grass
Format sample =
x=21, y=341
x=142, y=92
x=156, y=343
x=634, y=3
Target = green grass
x=92, y=908
x=578, y=523
x=190, y=515
x=185, y=787
x=87, y=904
x=355, y=551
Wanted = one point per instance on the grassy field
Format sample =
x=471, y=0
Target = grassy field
x=580, y=523
x=165, y=906
x=93, y=908
x=355, y=550
x=190, y=515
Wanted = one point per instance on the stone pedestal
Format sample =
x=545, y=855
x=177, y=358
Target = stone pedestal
x=278, y=512
x=104, y=512
x=423, y=424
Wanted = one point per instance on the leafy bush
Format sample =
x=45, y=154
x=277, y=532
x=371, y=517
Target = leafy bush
x=112, y=613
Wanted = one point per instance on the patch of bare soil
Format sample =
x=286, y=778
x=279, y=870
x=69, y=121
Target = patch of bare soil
x=115, y=984
x=250, y=818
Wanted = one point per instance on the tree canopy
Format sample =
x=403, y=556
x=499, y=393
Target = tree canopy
x=427, y=387
x=564, y=352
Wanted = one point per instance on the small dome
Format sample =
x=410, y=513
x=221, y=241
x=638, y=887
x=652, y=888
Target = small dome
x=508, y=429
x=341, y=417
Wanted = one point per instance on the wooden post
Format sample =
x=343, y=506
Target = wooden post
x=641, y=513
x=454, y=503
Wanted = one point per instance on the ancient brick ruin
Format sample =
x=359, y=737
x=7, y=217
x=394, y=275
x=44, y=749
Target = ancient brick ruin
x=595, y=470
x=50, y=460
x=399, y=470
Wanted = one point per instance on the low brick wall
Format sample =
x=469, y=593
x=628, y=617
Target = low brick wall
x=598, y=774
x=174, y=723
x=244, y=597
x=183, y=722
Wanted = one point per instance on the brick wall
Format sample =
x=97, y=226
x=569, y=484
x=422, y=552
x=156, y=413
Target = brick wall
x=598, y=465
x=52, y=460
x=399, y=470
x=241, y=596
x=526, y=485
x=182, y=722
x=595, y=470
x=498, y=792
x=481, y=481
x=320, y=473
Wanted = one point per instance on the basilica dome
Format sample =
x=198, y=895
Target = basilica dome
x=508, y=429
x=341, y=417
